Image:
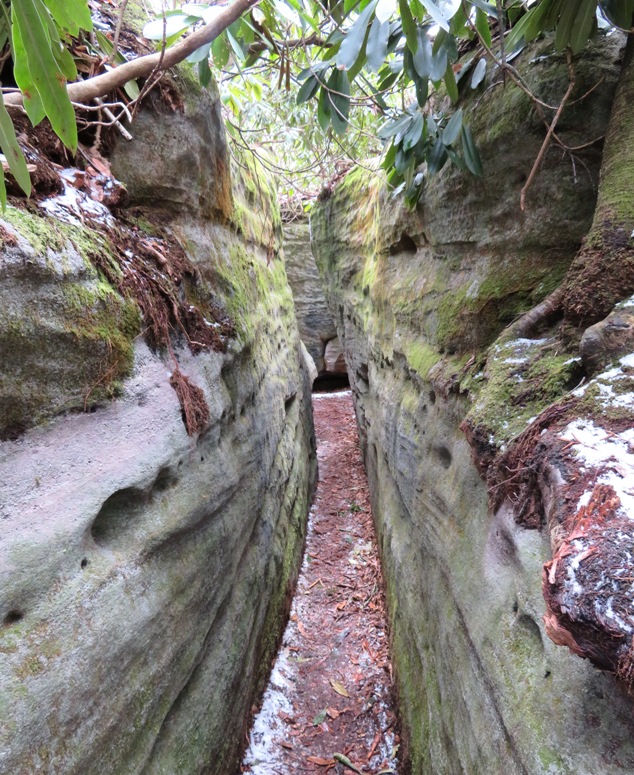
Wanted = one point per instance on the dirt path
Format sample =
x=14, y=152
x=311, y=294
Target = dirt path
x=330, y=695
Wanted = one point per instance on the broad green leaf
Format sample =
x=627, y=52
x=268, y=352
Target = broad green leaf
x=385, y=9
x=339, y=96
x=388, y=81
x=565, y=25
x=131, y=88
x=204, y=73
x=104, y=44
x=200, y=54
x=3, y=190
x=71, y=15
x=423, y=56
x=388, y=159
x=489, y=8
x=482, y=26
x=458, y=24
x=403, y=161
x=173, y=25
x=460, y=163
x=12, y=151
x=409, y=25
x=323, y=109
x=393, y=127
x=45, y=73
x=583, y=25
x=414, y=133
x=551, y=13
x=358, y=65
x=438, y=65
x=192, y=9
x=450, y=83
x=65, y=62
x=236, y=46
x=376, y=49
x=220, y=51
x=479, y=73
x=437, y=157
x=32, y=102
x=422, y=89
x=452, y=131
x=471, y=155
x=436, y=14
x=398, y=138
x=529, y=26
x=353, y=42
x=308, y=89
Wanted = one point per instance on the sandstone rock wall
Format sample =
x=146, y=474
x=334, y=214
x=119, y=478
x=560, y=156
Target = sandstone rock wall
x=144, y=572
x=315, y=321
x=419, y=300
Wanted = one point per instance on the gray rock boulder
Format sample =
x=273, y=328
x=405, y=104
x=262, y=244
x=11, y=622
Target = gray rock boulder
x=421, y=300
x=144, y=572
x=315, y=321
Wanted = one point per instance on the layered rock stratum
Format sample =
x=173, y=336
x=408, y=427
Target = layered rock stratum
x=157, y=459
x=478, y=435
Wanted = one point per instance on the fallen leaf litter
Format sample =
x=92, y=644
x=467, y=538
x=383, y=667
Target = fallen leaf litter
x=329, y=704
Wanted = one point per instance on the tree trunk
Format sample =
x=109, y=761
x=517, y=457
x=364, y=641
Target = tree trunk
x=602, y=274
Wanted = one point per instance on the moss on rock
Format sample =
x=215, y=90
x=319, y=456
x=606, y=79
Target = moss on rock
x=66, y=336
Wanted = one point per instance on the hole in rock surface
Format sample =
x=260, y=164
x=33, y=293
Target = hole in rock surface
x=13, y=617
x=327, y=382
x=330, y=692
x=405, y=245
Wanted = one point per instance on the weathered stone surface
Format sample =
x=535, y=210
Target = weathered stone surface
x=62, y=327
x=144, y=572
x=608, y=340
x=334, y=357
x=419, y=301
x=315, y=321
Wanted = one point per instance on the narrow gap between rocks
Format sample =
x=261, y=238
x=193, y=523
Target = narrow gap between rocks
x=329, y=705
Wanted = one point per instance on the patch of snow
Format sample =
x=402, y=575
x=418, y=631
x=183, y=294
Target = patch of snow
x=605, y=382
x=611, y=453
x=609, y=612
x=268, y=723
x=628, y=360
x=334, y=394
x=522, y=342
x=73, y=205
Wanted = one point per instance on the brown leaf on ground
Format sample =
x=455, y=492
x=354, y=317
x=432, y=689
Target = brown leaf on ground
x=343, y=669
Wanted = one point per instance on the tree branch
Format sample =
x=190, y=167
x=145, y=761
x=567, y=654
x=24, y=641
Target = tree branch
x=100, y=85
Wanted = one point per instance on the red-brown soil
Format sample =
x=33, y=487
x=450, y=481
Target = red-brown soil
x=328, y=708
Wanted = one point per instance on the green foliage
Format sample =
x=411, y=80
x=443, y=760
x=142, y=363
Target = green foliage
x=37, y=31
x=391, y=56
x=355, y=63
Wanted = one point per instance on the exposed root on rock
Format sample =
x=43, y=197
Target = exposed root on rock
x=542, y=316
x=574, y=477
x=192, y=400
x=515, y=475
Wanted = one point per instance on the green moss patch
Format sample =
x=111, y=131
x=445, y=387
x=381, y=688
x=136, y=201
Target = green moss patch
x=523, y=377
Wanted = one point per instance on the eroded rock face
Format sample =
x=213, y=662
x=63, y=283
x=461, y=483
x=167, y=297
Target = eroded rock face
x=421, y=301
x=315, y=321
x=143, y=571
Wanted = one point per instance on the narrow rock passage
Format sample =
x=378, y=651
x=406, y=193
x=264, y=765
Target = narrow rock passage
x=330, y=695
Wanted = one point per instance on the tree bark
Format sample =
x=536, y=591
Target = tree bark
x=602, y=274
